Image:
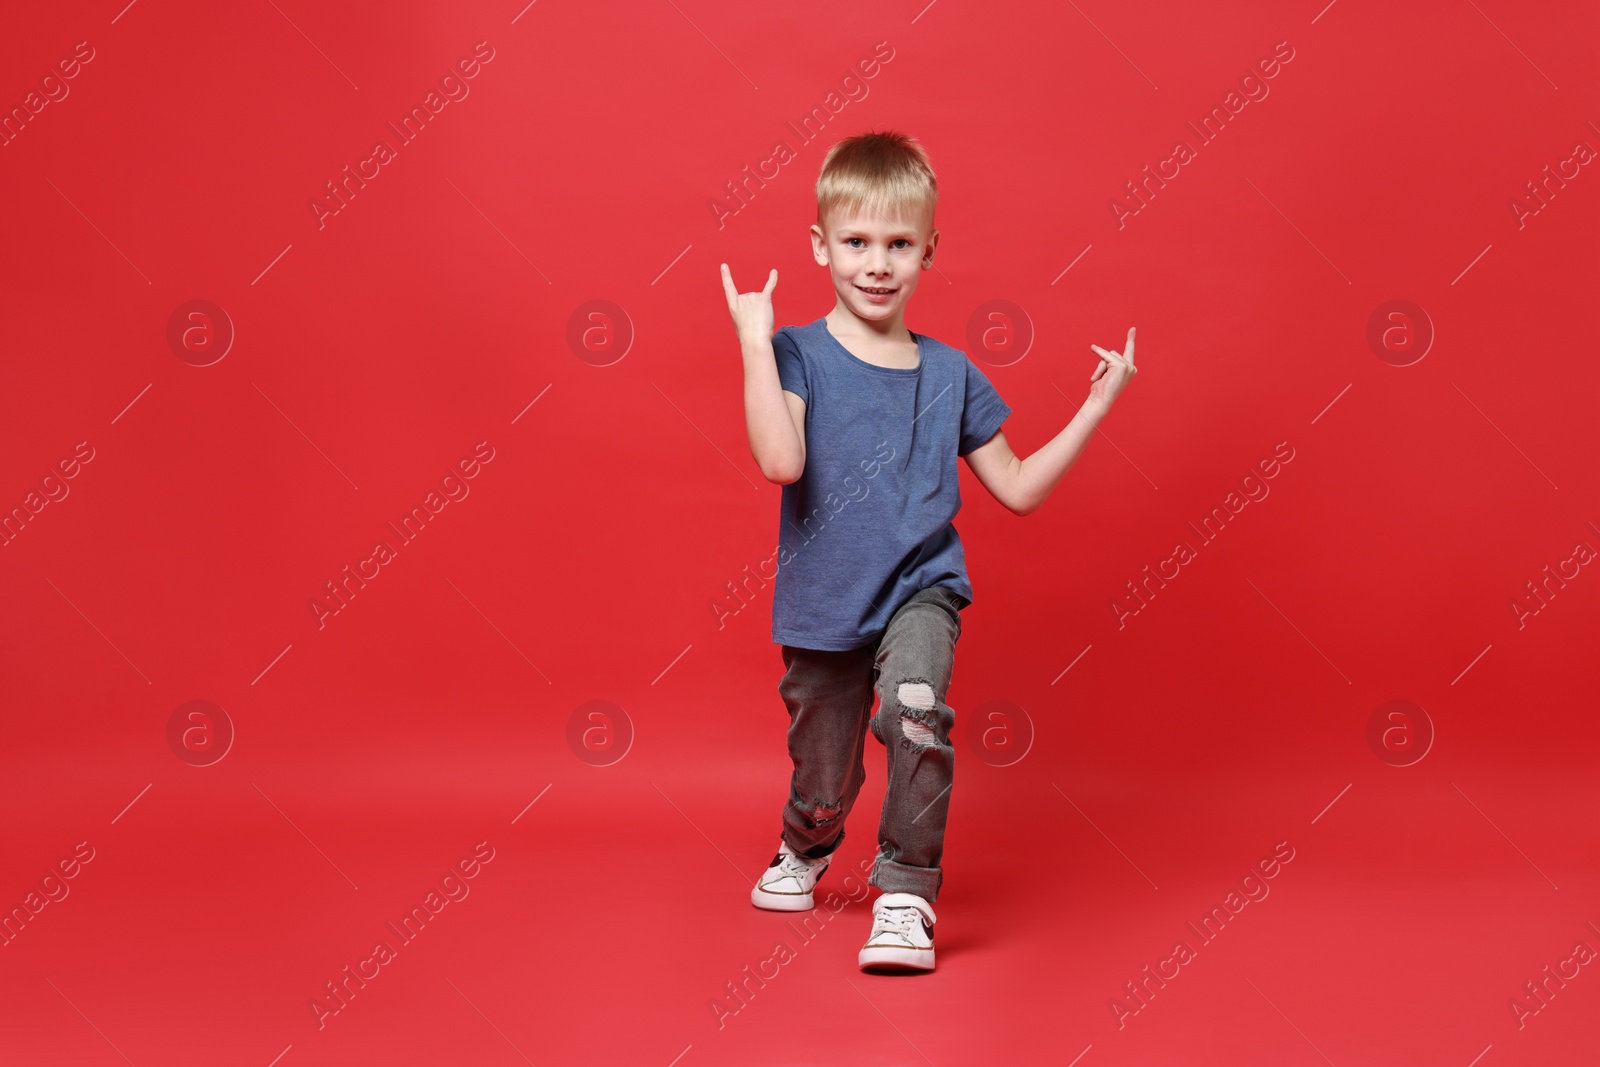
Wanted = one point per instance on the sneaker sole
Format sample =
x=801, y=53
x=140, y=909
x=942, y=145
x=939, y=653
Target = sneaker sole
x=781, y=901
x=895, y=960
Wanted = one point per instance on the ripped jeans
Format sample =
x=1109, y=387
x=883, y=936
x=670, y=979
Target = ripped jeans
x=829, y=697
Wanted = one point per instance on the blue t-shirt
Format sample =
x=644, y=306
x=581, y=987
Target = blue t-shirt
x=869, y=522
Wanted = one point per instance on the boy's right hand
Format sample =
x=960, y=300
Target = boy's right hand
x=752, y=312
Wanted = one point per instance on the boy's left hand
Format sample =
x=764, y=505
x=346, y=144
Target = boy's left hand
x=1112, y=376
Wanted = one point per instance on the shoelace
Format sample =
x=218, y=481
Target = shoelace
x=897, y=921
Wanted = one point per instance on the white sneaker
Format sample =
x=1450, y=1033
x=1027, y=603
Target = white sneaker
x=788, y=882
x=902, y=934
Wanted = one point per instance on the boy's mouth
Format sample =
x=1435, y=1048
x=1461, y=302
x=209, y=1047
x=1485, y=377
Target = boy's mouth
x=876, y=290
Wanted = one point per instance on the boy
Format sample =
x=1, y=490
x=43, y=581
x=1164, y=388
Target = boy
x=861, y=421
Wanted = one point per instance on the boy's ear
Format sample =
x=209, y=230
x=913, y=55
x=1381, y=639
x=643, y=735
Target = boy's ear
x=819, y=245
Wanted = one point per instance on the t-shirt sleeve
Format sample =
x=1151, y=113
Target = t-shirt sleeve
x=791, y=368
x=983, y=413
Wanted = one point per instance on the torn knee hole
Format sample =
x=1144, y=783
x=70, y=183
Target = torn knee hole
x=820, y=813
x=917, y=694
x=917, y=698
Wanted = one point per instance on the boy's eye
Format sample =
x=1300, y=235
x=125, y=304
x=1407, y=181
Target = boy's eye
x=851, y=241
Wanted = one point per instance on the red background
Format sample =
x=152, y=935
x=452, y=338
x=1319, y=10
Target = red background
x=432, y=312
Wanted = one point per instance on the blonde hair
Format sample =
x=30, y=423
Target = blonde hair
x=885, y=174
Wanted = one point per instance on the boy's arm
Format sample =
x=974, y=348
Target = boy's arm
x=774, y=418
x=1023, y=484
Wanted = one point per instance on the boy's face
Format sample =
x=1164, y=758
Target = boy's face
x=875, y=261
